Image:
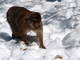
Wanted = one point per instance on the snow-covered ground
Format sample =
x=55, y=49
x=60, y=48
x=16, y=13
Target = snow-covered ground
x=61, y=23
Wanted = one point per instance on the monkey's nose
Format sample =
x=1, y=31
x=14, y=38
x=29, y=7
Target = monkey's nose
x=37, y=25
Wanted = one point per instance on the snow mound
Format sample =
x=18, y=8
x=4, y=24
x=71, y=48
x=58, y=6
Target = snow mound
x=72, y=39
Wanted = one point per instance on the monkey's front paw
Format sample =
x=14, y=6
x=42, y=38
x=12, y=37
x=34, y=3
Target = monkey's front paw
x=43, y=47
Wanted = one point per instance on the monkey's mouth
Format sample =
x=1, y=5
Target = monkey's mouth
x=35, y=26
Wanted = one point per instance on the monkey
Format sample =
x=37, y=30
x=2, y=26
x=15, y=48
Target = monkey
x=22, y=20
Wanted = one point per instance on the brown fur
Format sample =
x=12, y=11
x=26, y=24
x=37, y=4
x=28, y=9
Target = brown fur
x=22, y=21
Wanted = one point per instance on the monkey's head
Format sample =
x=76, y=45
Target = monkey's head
x=34, y=20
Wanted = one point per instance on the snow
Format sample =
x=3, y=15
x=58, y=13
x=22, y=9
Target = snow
x=60, y=31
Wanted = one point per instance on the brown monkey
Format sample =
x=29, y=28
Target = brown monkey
x=22, y=21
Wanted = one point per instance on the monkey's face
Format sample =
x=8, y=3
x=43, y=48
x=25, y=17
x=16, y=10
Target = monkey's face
x=34, y=20
x=36, y=23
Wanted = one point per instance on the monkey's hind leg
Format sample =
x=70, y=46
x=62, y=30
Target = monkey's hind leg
x=13, y=36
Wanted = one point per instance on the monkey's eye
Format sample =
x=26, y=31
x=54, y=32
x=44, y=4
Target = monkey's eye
x=36, y=20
